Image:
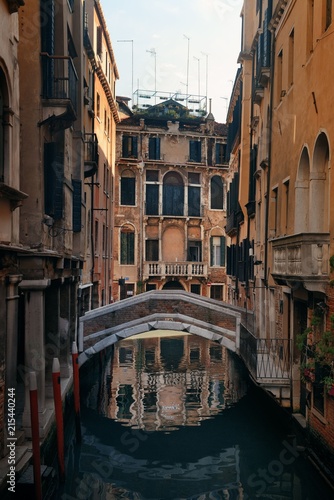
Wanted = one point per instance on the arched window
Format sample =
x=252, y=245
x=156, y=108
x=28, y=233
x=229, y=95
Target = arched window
x=217, y=248
x=173, y=194
x=217, y=193
x=127, y=245
x=128, y=188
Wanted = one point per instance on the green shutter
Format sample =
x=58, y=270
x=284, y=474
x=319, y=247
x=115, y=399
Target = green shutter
x=222, y=251
x=211, y=251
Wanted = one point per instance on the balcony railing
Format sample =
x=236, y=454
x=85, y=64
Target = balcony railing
x=189, y=269
x=60, y=80
x=302, y=257
x=266, y=359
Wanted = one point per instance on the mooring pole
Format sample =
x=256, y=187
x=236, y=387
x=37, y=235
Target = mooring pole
x=59, y=417
x=36, y=452
x=76, y=390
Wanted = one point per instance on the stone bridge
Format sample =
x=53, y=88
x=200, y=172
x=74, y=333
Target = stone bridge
x=159, y=310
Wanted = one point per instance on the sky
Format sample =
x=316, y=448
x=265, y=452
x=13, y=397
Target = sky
x=162, y=32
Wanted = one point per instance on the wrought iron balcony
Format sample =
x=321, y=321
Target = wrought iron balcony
x=91, y=154
x=185, y=269
x=269, y=363
x=302, y=258
x=60, y=87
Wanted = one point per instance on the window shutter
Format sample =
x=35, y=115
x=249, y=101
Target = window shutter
x=53, y=181
x=222, y=251
x=125, y=148
x=211, y=252
x=134, y=147
x=99, y=41
x=157, y=149
x=77, y=188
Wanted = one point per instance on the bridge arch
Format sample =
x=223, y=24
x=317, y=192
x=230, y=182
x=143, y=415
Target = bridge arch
x=159, y=310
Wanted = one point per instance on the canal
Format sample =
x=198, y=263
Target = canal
x=175, y=417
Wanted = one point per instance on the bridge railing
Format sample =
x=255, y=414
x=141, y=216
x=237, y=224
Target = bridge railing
x=175, y=269
x=266, y=359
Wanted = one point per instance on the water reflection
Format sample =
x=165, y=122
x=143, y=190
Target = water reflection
x=160, y=384
x=170, y=419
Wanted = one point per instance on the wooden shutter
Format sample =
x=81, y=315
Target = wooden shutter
x=77, y=189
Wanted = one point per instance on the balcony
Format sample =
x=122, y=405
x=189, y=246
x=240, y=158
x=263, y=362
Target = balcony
x=184, y=269
x=302, y=259
x=269, y=363
x=59, y=90
x=91, y=154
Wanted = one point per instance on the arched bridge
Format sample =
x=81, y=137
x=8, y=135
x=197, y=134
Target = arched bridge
x=159, y=310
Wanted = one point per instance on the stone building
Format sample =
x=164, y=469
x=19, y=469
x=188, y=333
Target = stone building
x=286, y=79
x=100, y=118
x=11, y=198
x=170, y=200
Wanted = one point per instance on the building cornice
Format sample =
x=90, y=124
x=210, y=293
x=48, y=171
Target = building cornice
x=107, y=36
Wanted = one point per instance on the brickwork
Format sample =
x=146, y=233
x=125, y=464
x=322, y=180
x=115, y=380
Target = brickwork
x=322, y=434
x=114, y=317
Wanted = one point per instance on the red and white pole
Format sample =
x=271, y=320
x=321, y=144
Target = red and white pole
x=76, y=390
x=36, y=452
x=59, y=416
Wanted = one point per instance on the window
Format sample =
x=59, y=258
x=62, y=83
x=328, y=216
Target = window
x=173, y=194
x=152, y=192
x=220, y=153
x=195, y=251
x=76, y=202
x=96, y=238
x=195, y=151
x=217, y=193
x=53, y=180
x=195, y=288
x=310, y=26
x=99, y=41
x=216, y=292
x=291, y=57
x=217, y=247
x=129, y=146
x=274, y=199
x=154, y=148
x=98, y=105
x=128, y=188
x=328, y=14
x=152, y=250
x=150, y=286
x=279, y=76
x=194, y=194
x=127, y=245
x=286, y=210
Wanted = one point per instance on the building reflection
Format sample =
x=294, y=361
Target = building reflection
x=163, y=383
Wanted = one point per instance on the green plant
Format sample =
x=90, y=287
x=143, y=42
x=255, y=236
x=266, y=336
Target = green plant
x=317, y=349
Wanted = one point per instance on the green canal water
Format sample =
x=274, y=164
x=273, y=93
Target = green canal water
x=176, y=418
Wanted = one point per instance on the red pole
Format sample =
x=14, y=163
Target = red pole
x=76, y=390
x=36, y=452
x=59, y=416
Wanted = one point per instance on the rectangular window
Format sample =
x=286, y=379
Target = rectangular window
x=154, y=148
x=98, y=104
x=128, y=191
x=195, y=251
x=152, y=199
x=76, y=209
x=274, y=199
x=152, y=250
x=279, y=76
x=195, y=148
x=195, y=288
x=217, y=247
x=194, y=201
x=127, y=248
x=53, y=180
x=291, y=57
x=150, y=286
x=96, y=239
x=99, y=41
x=129, y=146
x=220, y=153
x=216, y=292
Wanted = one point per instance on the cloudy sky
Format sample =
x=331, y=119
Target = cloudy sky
x=210, y=28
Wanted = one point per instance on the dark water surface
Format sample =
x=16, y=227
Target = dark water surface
x=175, y=418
